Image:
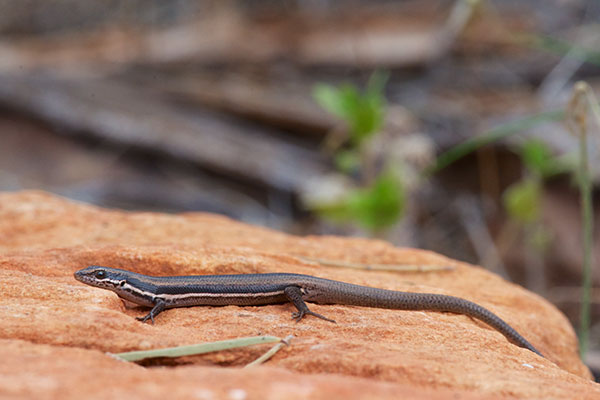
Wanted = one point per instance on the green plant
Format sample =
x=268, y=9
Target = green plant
x=491, y=136
x=522, y=200
x=375, y=207
x=362, y=112
x=377, y=202
x=539, y=160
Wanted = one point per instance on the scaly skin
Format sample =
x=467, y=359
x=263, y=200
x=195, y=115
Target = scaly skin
x=258, y=289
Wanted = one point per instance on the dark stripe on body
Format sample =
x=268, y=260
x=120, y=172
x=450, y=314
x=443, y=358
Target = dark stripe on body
x=241, y=300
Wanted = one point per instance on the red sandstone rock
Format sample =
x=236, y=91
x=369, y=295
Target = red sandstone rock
x=62, y=323
x=56, y=372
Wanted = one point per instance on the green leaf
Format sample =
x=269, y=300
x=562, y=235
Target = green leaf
x=337, y=212
x=522, y=200
x=363, y=112
x=538, y=158
x=330, y=99
x=367, y=118
x=536, y=155
x=379, y=206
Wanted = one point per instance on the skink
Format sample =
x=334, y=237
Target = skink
x=161, y=293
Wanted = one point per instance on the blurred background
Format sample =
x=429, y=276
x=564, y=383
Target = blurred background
x=454, y=126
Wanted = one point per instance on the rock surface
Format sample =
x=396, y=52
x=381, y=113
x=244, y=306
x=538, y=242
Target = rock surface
x=54, y=329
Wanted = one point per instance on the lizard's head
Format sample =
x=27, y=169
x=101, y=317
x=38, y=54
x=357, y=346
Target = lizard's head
x=103, y=277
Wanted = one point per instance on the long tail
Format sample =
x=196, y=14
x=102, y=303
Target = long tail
x=345, y=293
x=440, y=302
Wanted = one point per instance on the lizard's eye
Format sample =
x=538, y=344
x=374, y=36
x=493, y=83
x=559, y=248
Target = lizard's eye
x=100, y=274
